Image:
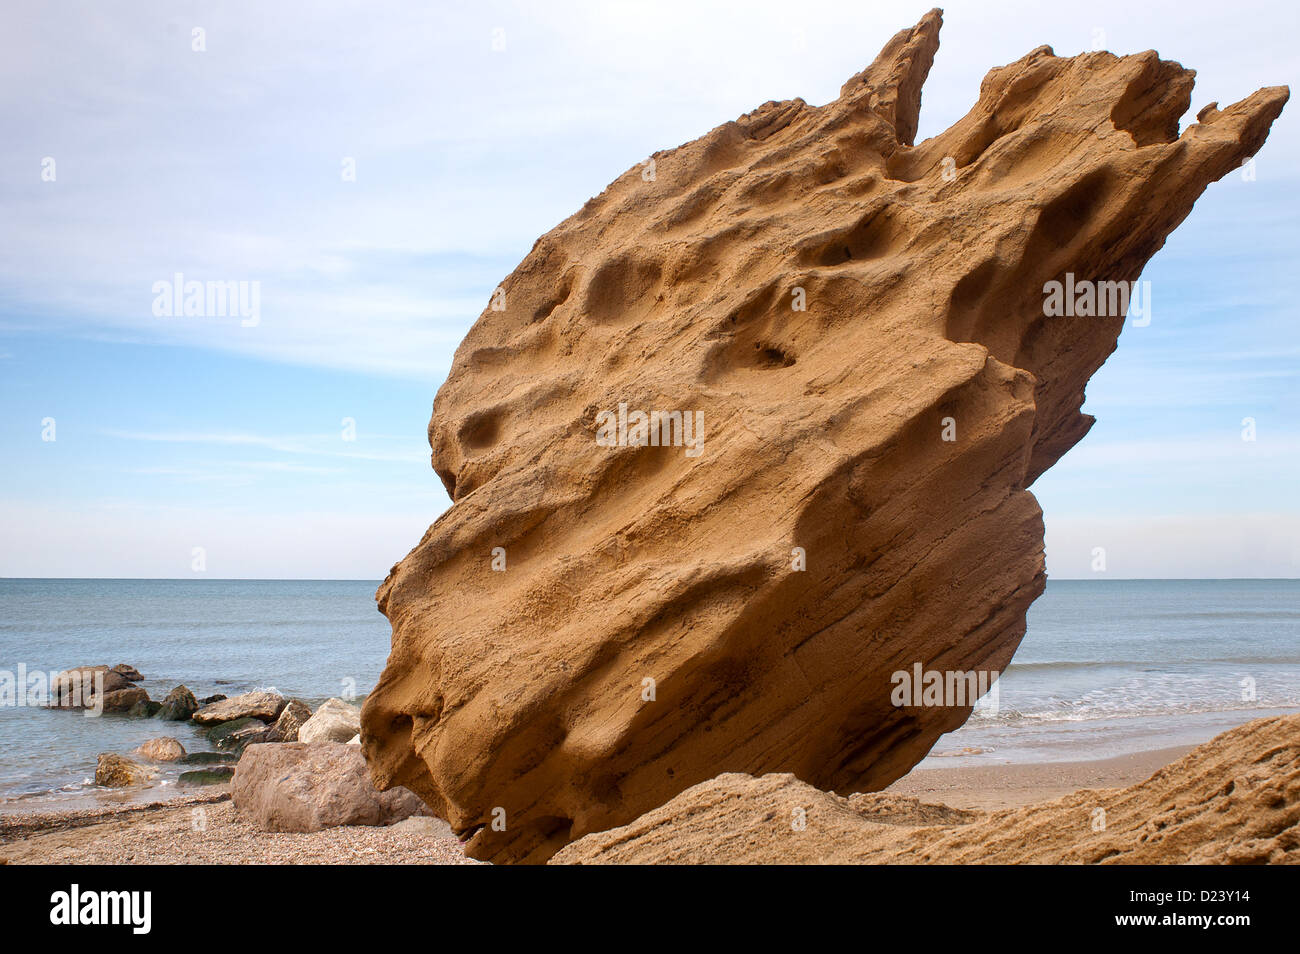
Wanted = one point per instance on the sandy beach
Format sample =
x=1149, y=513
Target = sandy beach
x=996, y=786
x=204, y=828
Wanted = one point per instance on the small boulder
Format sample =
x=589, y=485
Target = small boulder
x=129, y=673
x=179, y=705
x=334, y=721
x=119, y=700
x=266, y=706
x=238, y=733
x=163, y=749
x=216, y=697
x=304, y=787
x=145, y=709
x=218, y=775
x=291, y=720
x=117, y=771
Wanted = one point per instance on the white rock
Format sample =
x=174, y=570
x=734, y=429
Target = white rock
x=334, y=721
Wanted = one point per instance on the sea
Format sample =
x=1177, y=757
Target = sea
x=1107, y=666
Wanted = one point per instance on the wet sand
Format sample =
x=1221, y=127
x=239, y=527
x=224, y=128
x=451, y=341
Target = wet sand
x=1011, y=785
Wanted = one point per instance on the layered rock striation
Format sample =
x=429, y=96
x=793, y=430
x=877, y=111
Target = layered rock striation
x=842, y=343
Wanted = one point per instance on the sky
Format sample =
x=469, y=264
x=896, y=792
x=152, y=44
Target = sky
x=377, y=168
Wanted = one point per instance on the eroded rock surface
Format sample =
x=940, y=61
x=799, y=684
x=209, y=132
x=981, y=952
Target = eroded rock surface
x=832, y=301
x=1234, y=800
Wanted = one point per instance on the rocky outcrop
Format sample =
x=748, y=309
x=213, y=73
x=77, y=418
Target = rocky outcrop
x=76, y=688
x=117, y=771
x=127, y=672
x=861, y=332
x=1234, y=800
x=291, y=720
x=120, y=700
x=164, y=749
x=266, y=706
x=179, y=705
x=297, y=786
x=334, y=721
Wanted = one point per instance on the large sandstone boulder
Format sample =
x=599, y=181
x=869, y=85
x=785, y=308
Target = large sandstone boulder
x=266, y=706
x=334, y=721
x=862, y=331
x=299, y=786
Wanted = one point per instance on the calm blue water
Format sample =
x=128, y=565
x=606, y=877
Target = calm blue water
x=1109, y=667
x=1106, y=666
x=310, y=639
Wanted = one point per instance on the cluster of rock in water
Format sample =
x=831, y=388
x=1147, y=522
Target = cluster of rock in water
x=290, y=769
x=230, y=724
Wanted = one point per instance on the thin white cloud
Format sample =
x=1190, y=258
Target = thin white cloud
x=312, y=444
x=226, y=164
